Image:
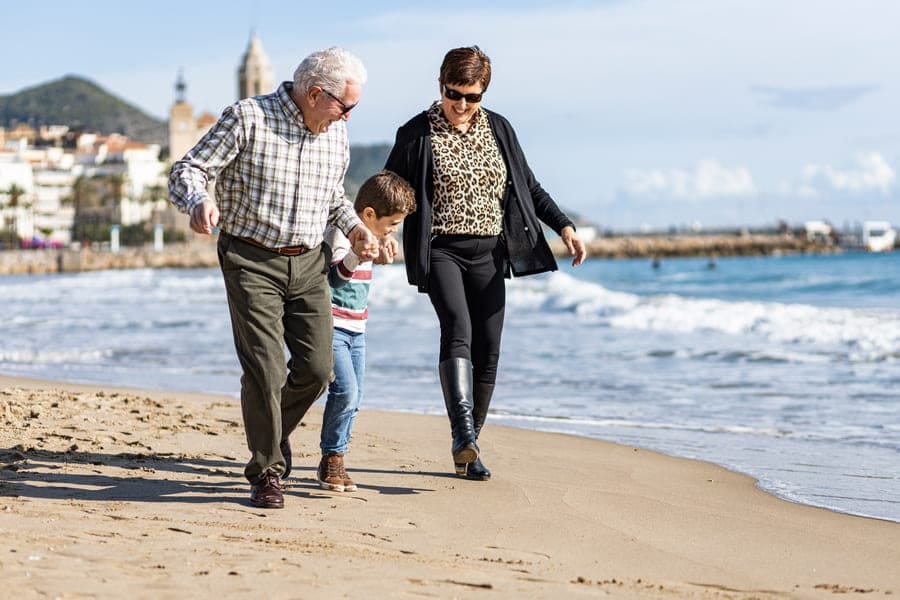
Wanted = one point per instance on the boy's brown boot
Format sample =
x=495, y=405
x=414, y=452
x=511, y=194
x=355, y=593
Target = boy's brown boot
x=349, y=485
x=331, y=472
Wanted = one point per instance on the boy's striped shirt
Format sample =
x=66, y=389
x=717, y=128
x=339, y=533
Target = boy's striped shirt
x=349, y=280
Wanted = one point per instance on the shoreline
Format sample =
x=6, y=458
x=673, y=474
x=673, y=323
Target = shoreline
x=498, y=420
x=145, y=488
x=202, y=252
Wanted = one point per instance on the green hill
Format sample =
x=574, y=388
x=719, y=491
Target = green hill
x=364, y=162
x=80, y=104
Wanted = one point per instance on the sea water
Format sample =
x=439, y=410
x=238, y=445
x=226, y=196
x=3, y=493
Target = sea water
x=783, y=368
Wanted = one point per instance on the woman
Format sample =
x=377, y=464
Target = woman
x=476, y=222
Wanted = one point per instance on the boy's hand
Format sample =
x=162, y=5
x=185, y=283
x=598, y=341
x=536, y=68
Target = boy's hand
x=389, y=250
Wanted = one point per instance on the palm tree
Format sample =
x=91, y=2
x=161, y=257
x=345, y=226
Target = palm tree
x=83, y=196
x=15, y=193
x=115, y=183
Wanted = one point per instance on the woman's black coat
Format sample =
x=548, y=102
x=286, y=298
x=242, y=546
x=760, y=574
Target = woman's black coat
x=524, y=203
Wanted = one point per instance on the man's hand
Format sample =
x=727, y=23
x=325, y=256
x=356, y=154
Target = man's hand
x=364, y=243
x=361, y=249
x=574, y=244
x=204, y=217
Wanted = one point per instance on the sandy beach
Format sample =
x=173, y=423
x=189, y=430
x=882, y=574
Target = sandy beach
x=109, y=492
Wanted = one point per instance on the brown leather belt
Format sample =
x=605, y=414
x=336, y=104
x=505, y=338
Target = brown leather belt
x=284, y=250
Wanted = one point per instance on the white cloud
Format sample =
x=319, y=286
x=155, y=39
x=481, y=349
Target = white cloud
x=872, y=173
x=827, y=97
x=708, y=180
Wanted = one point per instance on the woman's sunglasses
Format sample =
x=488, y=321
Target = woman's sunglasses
x=455, y=95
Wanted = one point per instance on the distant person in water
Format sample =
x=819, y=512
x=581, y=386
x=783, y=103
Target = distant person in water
x=478, y=219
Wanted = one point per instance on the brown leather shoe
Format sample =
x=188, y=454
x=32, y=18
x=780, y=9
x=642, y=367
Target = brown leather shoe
x=349, y=484
x=288, y=459
x=266, y=493
x=330, y=472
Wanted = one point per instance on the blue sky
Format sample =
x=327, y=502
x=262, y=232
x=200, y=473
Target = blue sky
x=631, y=112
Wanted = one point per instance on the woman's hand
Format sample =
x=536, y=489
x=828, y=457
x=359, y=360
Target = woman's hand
x=574, y=244
x=389, y=250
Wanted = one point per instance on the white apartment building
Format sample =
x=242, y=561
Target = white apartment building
x=47, y=175
x=15, y=173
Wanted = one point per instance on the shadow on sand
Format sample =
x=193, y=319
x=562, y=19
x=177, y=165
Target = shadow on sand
x=154, y=477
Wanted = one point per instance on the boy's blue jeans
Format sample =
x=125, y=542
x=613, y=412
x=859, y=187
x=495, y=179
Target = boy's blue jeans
x=345, y=392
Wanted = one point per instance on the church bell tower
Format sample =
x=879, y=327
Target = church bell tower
x=255, y=71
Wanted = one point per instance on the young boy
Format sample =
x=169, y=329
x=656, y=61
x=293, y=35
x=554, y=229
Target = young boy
x=382, y=203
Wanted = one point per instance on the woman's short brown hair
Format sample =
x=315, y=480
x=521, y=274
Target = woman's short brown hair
x=466, y=66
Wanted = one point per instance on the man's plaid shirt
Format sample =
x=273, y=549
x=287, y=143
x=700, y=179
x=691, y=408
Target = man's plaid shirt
x=275, y=181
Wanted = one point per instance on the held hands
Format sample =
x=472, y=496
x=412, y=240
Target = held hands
x=389, y=250
x=361, y=249
x=574, y=244
x=363, y=242
x=204, y=217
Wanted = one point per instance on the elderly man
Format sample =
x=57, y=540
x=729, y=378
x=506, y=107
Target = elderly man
x=278, y=162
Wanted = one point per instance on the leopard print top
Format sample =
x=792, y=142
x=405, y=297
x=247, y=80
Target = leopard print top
x=469, y=176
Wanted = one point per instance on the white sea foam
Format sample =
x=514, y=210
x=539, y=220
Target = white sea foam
x=842, y=433
x=54, y=356
x=860, y=334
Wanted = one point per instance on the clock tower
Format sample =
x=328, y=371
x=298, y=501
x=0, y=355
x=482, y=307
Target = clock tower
x=182, y=127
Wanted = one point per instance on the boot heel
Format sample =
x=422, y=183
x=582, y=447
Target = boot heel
x=460, y=469
x=466, y=454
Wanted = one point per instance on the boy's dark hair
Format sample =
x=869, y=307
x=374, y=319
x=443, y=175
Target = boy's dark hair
x=387, y=193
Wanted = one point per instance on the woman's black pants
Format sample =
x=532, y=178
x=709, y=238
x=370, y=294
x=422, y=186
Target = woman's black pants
x=467, y=290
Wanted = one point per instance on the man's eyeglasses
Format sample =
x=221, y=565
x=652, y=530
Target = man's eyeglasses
x=344, y=108
x=455, y=95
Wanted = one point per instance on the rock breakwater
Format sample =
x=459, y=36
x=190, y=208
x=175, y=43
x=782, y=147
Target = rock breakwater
x=198, y=255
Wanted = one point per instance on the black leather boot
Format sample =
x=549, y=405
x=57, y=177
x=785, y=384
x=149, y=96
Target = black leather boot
x=456, y=383
x=483, y=392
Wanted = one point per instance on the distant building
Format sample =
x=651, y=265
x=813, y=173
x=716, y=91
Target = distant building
x=878, y=236
x=184, y=129
x=818, y=231
x=22, y=132
x=255, y=71
x=123, y=177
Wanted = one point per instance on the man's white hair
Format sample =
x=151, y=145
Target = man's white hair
x=329, y=69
